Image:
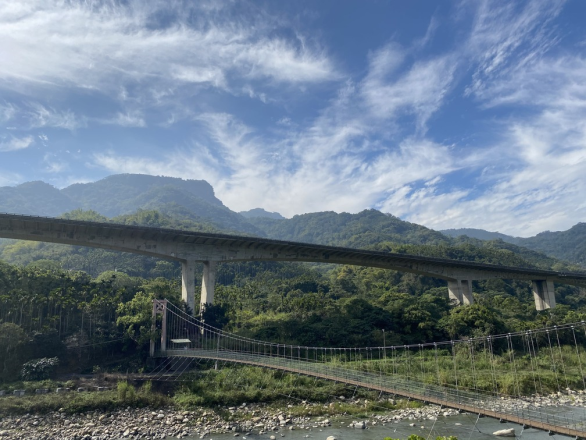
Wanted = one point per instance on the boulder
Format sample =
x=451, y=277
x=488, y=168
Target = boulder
x=505, y=433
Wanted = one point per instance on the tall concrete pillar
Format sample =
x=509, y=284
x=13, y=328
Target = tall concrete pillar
x=455, y=291
x=460, y=291
x=467, y=296
x=188, y=283
x=544, y=294
x=208, y=282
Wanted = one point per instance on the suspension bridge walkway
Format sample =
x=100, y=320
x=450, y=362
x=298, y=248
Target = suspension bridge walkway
x=411, y=371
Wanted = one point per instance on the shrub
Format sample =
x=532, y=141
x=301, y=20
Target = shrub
x=39, y=369
x=126, y=392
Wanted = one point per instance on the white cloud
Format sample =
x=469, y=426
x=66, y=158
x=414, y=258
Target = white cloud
x=420, y=91
x=8, y=178
x=41, y=116
x=15, y=144
x=373, y=144
x=54, y=166
x=103, y=46
x=317, y=170
x=7, y=112
x=128, y=119
x=509, y=36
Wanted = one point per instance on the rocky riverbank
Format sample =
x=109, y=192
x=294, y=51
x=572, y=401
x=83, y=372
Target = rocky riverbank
x=133, y=423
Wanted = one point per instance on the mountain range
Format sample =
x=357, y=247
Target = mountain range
x=194, y=202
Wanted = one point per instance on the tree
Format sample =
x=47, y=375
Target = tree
x=135, y=317
x=473, y=320
x=12, y=338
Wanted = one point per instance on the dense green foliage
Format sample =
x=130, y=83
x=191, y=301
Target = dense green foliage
x=35, y=198
x=352, y=230
x=76, y=297
x=567, y=245
x=39, y=369
x=70, y=403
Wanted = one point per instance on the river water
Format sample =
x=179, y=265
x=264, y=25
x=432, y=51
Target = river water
x=463, y=426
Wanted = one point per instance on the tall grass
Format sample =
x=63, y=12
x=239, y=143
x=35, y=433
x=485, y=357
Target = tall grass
x=512, y=372
x=125, y=395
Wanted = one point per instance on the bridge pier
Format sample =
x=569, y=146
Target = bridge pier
x=460, y=291
x=208, y=282
x=188, y=283
x=544, y=294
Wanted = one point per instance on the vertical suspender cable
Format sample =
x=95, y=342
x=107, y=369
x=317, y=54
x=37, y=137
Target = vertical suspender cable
x=579, y=360
x=552, y=360
x=561, y=356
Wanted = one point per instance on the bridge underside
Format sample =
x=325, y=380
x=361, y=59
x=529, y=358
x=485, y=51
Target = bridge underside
x=190, y=248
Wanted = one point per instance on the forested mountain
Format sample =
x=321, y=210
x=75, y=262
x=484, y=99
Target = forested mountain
x=193, y=203
x=480, y=234
x=121, y=193
x=567, y=245
x=352, y=230
x=125, y=194
x=35, y=198
x=259, y=212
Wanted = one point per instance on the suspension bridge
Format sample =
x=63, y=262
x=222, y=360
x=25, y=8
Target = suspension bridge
x=466, y=375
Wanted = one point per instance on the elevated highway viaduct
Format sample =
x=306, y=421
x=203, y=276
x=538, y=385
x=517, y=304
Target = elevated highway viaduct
x=191, y=248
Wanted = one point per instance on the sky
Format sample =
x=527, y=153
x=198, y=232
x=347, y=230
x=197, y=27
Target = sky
x=451, y=114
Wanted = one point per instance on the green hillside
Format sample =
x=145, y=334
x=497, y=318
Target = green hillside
x=567, y=245
x=352, y=230
x=35, y=198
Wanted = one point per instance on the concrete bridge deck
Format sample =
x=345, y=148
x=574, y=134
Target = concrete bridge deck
x=190, y=248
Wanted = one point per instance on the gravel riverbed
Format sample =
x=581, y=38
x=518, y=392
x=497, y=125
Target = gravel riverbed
x=134, y=423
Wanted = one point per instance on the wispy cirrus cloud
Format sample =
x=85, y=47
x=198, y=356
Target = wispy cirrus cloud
x=93, y=43
x=12, y=143
x=127, y=119
x=9, y=178
x=419, y=90
x=263, y=110
x=33, y=115
x=507, y=37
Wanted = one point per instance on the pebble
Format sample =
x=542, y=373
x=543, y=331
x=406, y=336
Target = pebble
x=245, y=420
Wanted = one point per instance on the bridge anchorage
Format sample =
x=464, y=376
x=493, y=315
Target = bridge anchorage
x=192, y=248
x=485, y=376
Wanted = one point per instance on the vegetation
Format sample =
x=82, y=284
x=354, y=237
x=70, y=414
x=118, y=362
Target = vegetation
x=567, y=245
x=123, y=396
x=90, y=309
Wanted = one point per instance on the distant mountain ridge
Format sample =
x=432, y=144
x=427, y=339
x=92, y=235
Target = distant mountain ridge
x=567, y=245
x=259, y=212
x=480, y=234
x=195, y=201
x=124, y=194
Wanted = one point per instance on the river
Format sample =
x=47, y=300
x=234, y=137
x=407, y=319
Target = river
x=463, y=426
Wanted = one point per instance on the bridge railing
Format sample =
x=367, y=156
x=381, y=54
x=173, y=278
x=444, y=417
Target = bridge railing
x=184, y=336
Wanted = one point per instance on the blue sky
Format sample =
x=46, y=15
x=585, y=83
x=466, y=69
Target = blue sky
x=447, y=114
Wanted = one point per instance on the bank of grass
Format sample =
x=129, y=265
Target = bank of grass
x=234, y=385
x=508, y=373
x=123, y=396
